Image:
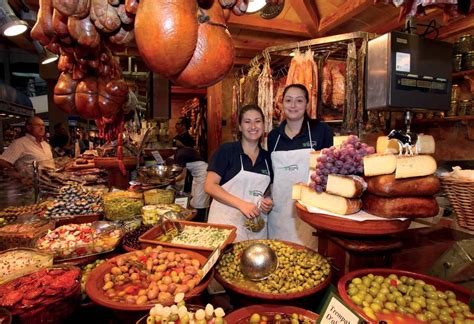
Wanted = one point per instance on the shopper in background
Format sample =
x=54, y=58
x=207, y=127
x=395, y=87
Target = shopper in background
x=290, y=145
x=183, y=138
x=238, y=175
x=195, y=173
x=60, y=141
x=21, y=153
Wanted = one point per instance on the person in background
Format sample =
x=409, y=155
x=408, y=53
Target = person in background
x=183, y=138
x=238, y=176
x=196, y=172
x=60, y=140
x=21, y=153
x=290, y=145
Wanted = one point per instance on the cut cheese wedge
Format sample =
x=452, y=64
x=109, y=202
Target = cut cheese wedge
x=326, y=201
x=415, y=166
x=337, y=140
x=349, y=186
x=425, y=144
x=379, y=163
x=386, y=145
x=313, y=159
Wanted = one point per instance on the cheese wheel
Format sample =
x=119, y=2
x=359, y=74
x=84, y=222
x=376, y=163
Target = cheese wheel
x=388, y=186
x=379, y=163
x=349, y=186
x=415, y=166
x=410, y=207
x=329, y=202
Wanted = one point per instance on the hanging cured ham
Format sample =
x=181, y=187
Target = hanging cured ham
x=265, y=95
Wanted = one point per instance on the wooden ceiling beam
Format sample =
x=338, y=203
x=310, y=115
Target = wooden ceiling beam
x=307, y=12
x=278, y=26
x=344, y=13
x=457, y=27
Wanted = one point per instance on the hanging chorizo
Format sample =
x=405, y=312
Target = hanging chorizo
x=166, y=34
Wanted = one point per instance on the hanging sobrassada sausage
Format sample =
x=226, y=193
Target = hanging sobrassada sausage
x=214, y=54
x=83, y=31
x=64, y=93
x=42, y=31
x=87, y=99
x=73, y=8
x=166, y=34
x=112, y=96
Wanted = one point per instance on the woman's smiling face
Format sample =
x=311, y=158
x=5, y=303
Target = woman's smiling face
x=251, y=125
x=294, y=103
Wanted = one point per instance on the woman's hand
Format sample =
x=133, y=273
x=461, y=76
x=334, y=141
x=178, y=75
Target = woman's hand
x=266, y=204
x=250, y=210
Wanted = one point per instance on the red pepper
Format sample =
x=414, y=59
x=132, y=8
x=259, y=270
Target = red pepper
x=393, y=282
x=143, y=259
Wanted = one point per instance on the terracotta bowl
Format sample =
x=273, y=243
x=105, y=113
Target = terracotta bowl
x=462, y=293
x=242, y=315
x=351, y=227
x=270, y=296
x=95, y=282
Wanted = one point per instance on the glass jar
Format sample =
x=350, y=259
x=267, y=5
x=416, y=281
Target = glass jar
x=439, y=114
x=419, y=116
x=457, y=62
x=465, y=44
x=430, y=115
x=468, y=61
x=455, y=90
x=456, y=48
x=453, y=108
x=465, y=107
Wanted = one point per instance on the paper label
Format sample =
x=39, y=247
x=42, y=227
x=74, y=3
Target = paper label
x=402, y=62
x=210, y=262
x=157, y=157
x=182, y=201
x=336, y=312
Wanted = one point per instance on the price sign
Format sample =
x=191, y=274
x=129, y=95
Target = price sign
x=210, y=262
x=335, y=311
x=157, y=157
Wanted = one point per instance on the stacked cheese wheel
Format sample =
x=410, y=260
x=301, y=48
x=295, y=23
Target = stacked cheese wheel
x=334, y=185
x=400, y=185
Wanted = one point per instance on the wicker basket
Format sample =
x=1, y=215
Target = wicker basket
x=461, y=196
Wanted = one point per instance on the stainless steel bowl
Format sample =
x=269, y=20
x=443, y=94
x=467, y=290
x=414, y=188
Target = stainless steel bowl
x=258, y=261
x=160, y=171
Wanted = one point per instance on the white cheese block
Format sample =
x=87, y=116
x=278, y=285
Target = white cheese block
x=349, y=186
x=313, y=155
x=386, y=145
x=296, y=191
x=329, y=202
x=337, y=140
x=415, y=166
x=379, y=163
x=425, y=144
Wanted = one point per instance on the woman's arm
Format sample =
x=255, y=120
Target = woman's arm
x=214, y=189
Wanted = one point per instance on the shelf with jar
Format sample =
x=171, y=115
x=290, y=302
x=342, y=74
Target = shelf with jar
x=462, y=74
x=442, y=119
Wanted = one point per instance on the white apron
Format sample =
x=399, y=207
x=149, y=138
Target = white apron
x=248, y=186
x=198, y=169
x=289, y=167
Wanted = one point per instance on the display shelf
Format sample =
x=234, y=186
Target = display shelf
x=461, y=74
x=442, y=120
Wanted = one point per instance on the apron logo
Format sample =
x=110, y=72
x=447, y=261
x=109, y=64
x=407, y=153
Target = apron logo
x=292, y=167
x=255, y=193
x=310, y=145
x=264, y=171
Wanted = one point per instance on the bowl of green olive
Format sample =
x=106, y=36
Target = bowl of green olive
x=374, y=293
x=301, y=272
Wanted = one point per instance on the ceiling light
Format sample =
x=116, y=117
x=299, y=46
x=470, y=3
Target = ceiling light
x=10, y=25
x=256, y=5
x=45, y=56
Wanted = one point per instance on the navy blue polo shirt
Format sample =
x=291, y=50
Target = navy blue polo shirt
x=321, y=136
x=226, y=161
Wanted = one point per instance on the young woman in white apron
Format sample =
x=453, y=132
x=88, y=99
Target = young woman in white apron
x=290, y=145
x=240, y=197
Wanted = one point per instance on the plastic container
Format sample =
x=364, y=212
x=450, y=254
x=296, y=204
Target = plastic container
x=18, y=262
x=23, y=231
x=159, y=196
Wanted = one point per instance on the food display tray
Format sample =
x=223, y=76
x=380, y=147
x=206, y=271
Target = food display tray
x=149, y=238
x=462, y=293
x=242, y=315
x=95, y=282
x=270, y=296
x=77, y=219
x=351, y=227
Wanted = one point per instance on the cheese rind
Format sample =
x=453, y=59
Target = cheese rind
x=388, y=186
x=329, y=202
x=345, y=186
x=379, y=163
x=415, y=166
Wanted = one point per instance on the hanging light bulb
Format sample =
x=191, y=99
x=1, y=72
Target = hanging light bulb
x=45, y=56
x=255, y=5
x=10, y=25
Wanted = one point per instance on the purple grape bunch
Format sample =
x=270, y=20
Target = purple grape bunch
x=347, y=159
